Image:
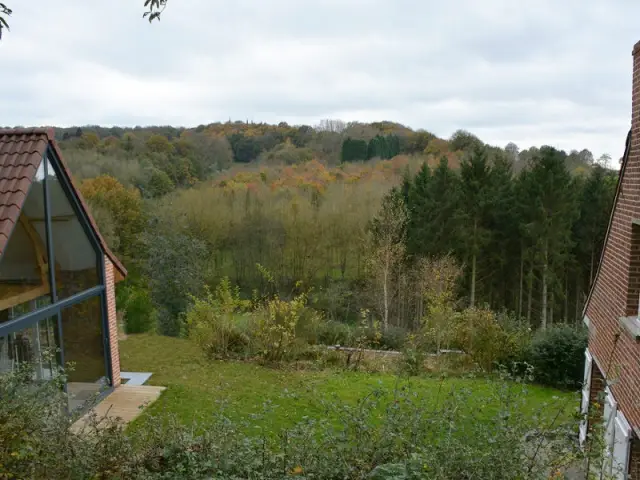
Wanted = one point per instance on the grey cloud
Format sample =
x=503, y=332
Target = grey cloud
x=509, y=71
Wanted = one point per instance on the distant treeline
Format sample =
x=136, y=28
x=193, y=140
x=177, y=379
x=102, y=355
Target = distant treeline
x=187, y=207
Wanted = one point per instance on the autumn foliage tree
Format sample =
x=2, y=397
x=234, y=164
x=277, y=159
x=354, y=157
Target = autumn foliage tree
x=120, y=211
x=436, y=280
x=386, y=245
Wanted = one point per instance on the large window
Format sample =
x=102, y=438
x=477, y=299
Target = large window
x=24, y=282
x=83, y=346
x=75, y=256
x=83, y=341
x=36, y=345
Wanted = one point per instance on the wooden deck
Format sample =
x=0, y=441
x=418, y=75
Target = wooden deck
x=124, y=404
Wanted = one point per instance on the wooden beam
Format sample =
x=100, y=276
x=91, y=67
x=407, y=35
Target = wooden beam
x=41, y=256
x=23, y=297
x=58, y=218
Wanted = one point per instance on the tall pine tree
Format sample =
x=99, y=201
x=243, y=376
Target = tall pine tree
x=475, y=205
x=434, y=208
x=553, y=212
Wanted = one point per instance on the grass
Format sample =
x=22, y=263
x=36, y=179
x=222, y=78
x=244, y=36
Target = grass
x=197, y=388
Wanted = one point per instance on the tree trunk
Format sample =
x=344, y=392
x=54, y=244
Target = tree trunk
x=343, y=265
x=545, y=293
x=401, y=301
x=530, y=294
x=566, y=298
x=490, y=296
x=472, y=299
x=521, y=292
x=385, y=293
x=578, y=294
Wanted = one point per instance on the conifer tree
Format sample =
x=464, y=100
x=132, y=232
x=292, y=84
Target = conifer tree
x=475, y=182
x=553, y=210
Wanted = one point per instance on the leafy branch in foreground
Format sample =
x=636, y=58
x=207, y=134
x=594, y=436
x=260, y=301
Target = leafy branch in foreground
x=154, y=10
x=4, y=12
x=395, y=431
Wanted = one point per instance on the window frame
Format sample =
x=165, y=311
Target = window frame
x=621, y=449
x=585, y=397
x=54, y=309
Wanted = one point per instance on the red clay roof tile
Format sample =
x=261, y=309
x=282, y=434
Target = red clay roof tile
x=6, y=226
x=21, y=151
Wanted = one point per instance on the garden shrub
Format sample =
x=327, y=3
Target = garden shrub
x=488, y=338
x=413, y=355
x=213, y=322
x=557, y=356
x=140, y=314
x=338, y=333
x=277, y=323
x=393, y=338
x=308, y=325
x=335, y=333
x=35, y=438
x=337, y=299
x=438, y=327
x=390, y=432
x=169, y=322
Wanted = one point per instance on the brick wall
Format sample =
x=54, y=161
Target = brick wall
x=616, y=351
x=113, y=321
x=633, y=292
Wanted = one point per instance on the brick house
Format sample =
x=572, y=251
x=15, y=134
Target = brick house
x=611, y=389
x=53, y=316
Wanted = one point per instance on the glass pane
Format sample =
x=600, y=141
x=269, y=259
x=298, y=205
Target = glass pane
x=17, y=311
x=36, y=345
x=83, y=343
x=75, y=257
x=24, y=283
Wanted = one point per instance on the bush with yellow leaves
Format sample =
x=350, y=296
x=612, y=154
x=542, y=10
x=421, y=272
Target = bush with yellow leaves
x=489, y=338
x=217, y=322
x=281, y=327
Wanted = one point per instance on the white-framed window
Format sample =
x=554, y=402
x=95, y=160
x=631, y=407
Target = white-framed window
x=617, y=440
x=586, y=389
x=621, y=447
x=609, y=418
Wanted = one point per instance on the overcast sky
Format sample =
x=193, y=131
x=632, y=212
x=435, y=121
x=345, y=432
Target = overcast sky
x=532, y=72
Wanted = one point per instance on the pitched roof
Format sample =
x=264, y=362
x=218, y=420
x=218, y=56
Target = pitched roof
x=21, y=151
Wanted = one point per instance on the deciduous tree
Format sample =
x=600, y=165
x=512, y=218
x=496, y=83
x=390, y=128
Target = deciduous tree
x=124, y=208
x=386, y=248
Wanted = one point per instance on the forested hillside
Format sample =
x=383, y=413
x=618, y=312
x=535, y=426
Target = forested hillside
x=359, y=212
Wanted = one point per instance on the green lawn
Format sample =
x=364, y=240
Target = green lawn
x=197, y=388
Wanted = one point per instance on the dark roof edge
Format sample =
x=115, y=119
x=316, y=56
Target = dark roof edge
x=623, y=168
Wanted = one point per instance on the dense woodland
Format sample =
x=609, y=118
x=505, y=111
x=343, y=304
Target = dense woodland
x=350, y=210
